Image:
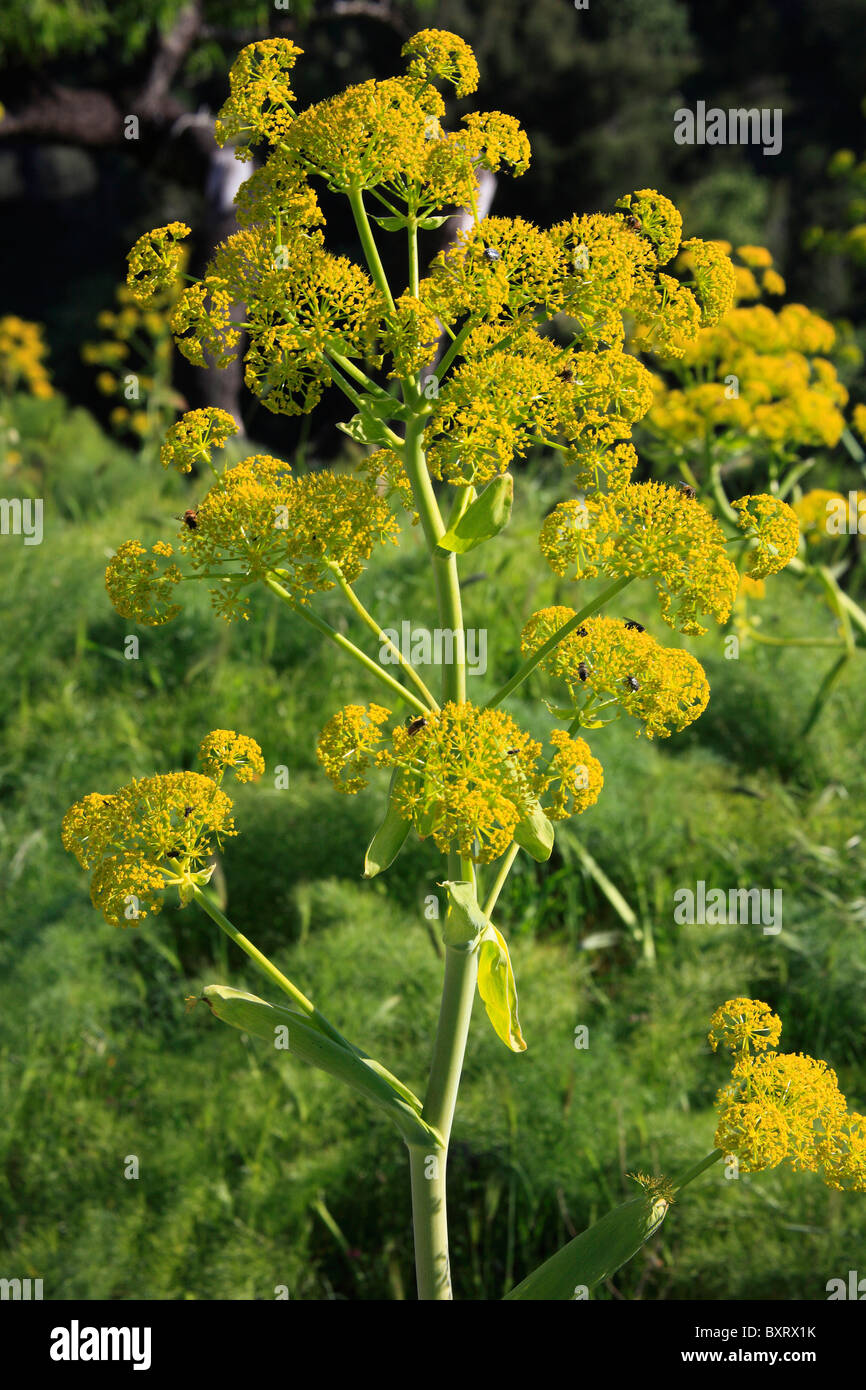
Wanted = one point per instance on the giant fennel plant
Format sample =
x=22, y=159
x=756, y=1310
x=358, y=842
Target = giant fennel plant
x=532, y=323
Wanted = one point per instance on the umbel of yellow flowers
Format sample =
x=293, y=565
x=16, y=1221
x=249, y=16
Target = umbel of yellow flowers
x=783, y=1107
x=158, y=832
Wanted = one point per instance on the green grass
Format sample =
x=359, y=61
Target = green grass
x=254, y=1172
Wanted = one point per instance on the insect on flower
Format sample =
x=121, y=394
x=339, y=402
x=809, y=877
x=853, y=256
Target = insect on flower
x=632, y=626
x=630, y=219
x=492, y=254
x=687, y=490
x=583, y=671
x=189, y=518
x=632, y=683
x=416, y=725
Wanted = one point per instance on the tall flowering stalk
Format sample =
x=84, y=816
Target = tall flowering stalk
x=532, y=322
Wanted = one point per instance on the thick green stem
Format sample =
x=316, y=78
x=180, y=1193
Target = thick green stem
x=429, y=1189
x=429, y=1170
x=547, y=647
x=367, y=662
x=444, y=564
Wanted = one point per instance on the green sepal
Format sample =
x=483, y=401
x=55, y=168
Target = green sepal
x=389, y=839
x=535, y=834
x=304, y=1040
x=384, y=408
x=464, y=919
x=363, y=428
x=497, y=988
x=432, y=224
x=568, y=712
x=483, y=520
x=392, y=224
x=597, y=1252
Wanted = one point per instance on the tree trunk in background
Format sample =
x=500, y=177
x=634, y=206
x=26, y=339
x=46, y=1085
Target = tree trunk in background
x=223, y=386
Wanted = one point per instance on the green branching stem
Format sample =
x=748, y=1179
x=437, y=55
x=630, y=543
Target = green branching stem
x=368, y=241
x=695, y=1171
x=428, y=1169
x=267, y=967
x=454, y=349
x=547, y=647
x=370, y=666
x=383, y=637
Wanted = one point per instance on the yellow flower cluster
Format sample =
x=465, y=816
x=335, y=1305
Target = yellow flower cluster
x=223, y=749
x=437, y=53
x=155, y=260
x=258, y=521
x=157, y=832
x=656, y=218
x=410, y=335
x=744, y=1025
x=783, y=1107
x=22, y=357
x=305, y=311
x=138, y=587
x=258, y=514
x=260, y=105
x=279, y=189
x=496, y=270
x=653, y=530
x=301, y=302
x=194, y=436
x=759, y=379
x=496, y=404
x=349, y=743
x=371, y=134
x=136, y=357
x=577, y=777
x=387, y=476
x=815, y=509
x=713, y=276
x=667, y=316
x=773, y=526
x=842, y=1154
x=491, y=139
x=610, y=662
x=465, y=775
